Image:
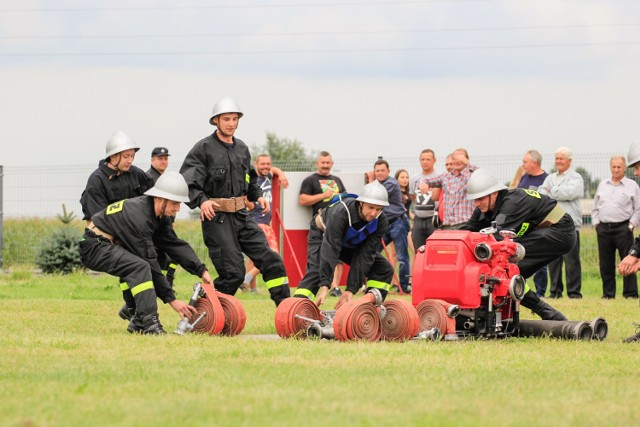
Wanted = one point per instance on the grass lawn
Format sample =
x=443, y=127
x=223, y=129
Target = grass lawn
x=67, y=360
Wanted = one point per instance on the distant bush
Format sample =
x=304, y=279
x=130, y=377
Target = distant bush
x=59, y=251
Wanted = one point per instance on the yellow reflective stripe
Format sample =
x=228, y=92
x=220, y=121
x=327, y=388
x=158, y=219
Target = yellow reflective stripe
x=526, y=287
x=523, y=229
x=378, y=285
x=141, y=288
x=304, y=292
x=533, y=193
x=174, y=266
x=276, y=282
x=124, y=286
x=246, y=177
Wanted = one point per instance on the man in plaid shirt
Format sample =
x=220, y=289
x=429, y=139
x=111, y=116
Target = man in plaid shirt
x=457, y=209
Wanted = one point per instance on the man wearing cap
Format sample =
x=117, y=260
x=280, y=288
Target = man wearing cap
x=218, y=172
x=120, y=240
x=348, y=230
x=542, y=227
x=159, y=163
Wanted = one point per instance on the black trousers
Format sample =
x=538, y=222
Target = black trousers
x=544, y=245
x=133, y=271
x=380, y=271
x=573, y=272
x=614, y=237
x=422, y=229
x=227, y=236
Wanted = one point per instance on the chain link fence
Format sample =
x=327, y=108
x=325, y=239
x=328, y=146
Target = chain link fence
x=38, y=192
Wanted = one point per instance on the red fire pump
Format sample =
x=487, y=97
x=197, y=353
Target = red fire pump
x=474, y=272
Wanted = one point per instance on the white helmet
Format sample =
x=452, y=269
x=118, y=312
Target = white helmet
x=225, y=105
x=633, y=156
x=481, y=184
x=119, y=142
x=171, y=186
x=374, y=193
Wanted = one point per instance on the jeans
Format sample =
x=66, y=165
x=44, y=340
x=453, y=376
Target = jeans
x=398, y=234
x=541, y=279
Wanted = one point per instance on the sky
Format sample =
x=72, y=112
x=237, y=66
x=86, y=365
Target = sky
x=356, y=78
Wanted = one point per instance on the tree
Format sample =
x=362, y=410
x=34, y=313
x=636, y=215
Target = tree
x=59, y=252
x=285, y=153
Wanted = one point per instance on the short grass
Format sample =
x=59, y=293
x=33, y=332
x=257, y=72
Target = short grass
x=66, y=360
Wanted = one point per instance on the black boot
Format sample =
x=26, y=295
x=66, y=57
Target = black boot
x=126, y=312
x=541, y=308
x=135, y=325
x=151, y=325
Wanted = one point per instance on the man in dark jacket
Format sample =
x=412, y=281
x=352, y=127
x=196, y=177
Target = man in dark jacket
x=348, y=230
x=541, y=226
x=121, y=240
x=217, y=170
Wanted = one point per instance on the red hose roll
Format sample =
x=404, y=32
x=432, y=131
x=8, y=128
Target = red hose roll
x=287, y=325
x=213, y=321
x=432, y=313
x=357, y=320
x=401, y=321
x=234, y=315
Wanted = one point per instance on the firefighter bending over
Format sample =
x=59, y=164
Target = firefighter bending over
x=121, y=240
x=348, y=230
x=544, y=229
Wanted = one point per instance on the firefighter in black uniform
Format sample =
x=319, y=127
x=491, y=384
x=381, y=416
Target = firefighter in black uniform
x=121, y=241
x=542, y=227
x=116, y=178
x=159, y=164
x=217, y=170
x=348, y=230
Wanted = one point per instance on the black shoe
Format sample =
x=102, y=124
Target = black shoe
x=635, y=337
x=575, y=296
x=555, y=296
x=335, y=292
x=541, y=308
x=126, y=312
x=606, y=297
x=135, y=325
x=152, y=326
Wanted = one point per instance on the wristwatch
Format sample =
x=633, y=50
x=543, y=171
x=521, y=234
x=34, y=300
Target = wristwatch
x=634, y=252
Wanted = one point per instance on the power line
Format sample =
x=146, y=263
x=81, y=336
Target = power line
x=319, y=33
x=299, y=51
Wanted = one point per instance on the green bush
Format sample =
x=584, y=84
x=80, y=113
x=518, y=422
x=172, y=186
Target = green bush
x=59, y=251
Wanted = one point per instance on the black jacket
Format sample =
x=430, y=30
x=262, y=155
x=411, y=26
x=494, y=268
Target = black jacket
x=105, y=186
x=133, y=222
x=215, y=169
x=359, y=259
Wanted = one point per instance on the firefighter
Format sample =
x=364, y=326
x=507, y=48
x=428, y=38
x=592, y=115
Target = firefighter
x=115, y=179
x=121, y=240
x=631, y=263
x=348, y=230
x=542, y=227
x=217, y=170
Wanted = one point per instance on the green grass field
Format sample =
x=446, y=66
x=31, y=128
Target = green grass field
x=67, y=360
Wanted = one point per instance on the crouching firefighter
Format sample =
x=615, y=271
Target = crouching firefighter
x=542, y=227
x=348, y=230
x=121, y=240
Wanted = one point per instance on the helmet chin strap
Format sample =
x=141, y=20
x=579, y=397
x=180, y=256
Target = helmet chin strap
x=163, y=209
x=116, y=165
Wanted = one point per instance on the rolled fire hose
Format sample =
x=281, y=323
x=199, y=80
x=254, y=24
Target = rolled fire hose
x=287, y=324
x=435, y=313
x=401, y=322
x=572, y=330
x=234, y=315
x=358, y=320
x=213, y=321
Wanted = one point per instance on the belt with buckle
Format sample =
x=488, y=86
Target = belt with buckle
x=232, y=204
x=99, y=233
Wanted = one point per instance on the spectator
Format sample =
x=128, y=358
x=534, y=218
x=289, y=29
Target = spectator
x=448, y=165
x=264, y=175
x=616, y=210
x=398, y=222
x=457, y=209
x=349, y=230
x=217, y=170
x=533, y=178
x=159, y=163
x=567, y=187
x=426, y=200
x=316, y=191
x=517, y=176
